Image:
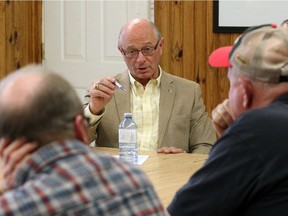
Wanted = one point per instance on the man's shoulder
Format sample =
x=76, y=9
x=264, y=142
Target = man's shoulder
x=262, y=121
x=178, y=79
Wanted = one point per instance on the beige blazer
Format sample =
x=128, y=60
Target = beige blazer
x=183, y=121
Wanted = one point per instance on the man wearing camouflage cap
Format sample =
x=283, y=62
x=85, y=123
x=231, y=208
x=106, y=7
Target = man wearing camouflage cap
x=246, y=172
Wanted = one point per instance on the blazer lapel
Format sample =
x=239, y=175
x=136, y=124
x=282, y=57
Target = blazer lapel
x=167, y=97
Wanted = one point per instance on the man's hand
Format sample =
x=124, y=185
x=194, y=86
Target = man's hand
x=221, y=117
x=12, y=155
x=101, y=92
x=170, y=150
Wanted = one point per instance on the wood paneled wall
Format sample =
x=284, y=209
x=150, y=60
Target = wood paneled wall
x=20, y=34
x=187, y=27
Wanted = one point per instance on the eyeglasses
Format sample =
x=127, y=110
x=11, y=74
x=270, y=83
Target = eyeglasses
x=146, y=51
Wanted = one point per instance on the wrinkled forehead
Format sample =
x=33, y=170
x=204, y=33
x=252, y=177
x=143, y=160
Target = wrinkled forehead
x=139, y=31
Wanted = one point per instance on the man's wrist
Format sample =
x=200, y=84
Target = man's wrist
x=93, y=118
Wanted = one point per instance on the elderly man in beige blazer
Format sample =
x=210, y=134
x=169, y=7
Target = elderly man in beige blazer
x=168, y=110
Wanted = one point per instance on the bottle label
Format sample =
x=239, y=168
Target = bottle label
x=127, y=136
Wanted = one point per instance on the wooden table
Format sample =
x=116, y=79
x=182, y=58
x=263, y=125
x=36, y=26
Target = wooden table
x=167, y=172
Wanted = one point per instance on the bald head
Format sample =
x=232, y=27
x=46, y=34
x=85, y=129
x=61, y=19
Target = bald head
x=138, y=28
x=38, y=105
x=21, y=89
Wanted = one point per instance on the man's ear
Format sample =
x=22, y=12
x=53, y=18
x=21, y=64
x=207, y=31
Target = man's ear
x=161, y=45
x=246, y=87
x=119, y=48
x=121, y=51
x=80, y=129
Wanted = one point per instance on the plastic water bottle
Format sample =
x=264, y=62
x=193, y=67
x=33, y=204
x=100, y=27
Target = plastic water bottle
x=128, y=149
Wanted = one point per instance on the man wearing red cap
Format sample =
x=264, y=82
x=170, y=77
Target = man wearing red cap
x=246, y=172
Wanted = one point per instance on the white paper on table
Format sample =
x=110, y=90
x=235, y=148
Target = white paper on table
x=141, y=158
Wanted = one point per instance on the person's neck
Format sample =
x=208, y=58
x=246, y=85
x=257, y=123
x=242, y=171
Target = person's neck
x=144, y=82
x=263, y=97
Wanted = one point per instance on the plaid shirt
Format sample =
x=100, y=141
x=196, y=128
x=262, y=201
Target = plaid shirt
x=68, y=178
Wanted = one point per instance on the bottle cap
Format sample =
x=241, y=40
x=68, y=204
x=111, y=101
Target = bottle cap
x=127, y=114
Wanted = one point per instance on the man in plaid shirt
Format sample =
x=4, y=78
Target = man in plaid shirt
x=48, y=169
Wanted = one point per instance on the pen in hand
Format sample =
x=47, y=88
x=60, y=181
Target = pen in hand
x=119, y=85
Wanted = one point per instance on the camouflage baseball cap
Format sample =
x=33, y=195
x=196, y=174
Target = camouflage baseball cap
x=261, y=53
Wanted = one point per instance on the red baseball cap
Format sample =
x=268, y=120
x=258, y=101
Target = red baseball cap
x=220, y=57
